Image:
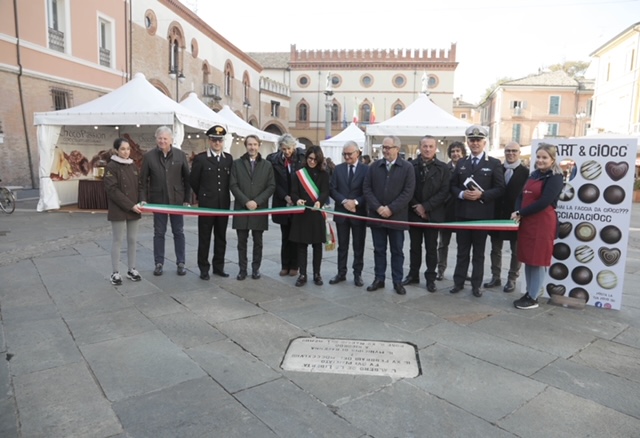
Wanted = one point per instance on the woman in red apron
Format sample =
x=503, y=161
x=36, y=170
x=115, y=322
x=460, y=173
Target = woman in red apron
x=536, y=214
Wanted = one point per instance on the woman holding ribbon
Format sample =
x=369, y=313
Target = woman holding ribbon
x=310, y=188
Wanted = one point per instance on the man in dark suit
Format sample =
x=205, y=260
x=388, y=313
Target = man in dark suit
x=210, y=175
x=346, y=191
x=476, y=183
x=164, y=179
x=427, y=205
x=515, y=176
x=388, y=188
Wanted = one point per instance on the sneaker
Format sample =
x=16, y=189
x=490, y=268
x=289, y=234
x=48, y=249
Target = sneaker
x=181, y=269
x=158, y=270
x=133, y=275
x=116, y=278
x=525, y=302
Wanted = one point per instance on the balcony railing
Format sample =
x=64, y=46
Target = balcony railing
x=105, y=57
x=56, y=40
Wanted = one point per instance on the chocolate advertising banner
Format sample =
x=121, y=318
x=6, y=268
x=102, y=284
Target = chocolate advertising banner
x=594, y=213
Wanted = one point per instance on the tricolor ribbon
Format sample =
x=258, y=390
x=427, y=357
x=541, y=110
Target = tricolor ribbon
x=201, y=211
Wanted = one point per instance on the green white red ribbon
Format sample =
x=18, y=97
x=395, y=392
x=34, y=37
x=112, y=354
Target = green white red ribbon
x=201, y=211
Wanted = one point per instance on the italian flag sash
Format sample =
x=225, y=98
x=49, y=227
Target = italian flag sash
x=310, y=187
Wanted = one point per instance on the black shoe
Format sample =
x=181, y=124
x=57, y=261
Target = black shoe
x=410, y=280
x=510, y=286
x=337, y=279
x=317, y=280
x=256, y=275
x=455, y=289
x=399, y=288
x=181, y=269
x=495, y=282
x=222, y=274
x=241, y=275
x=158, y=270
x=440, y=276
x=431, y=286
x=205, y=276
x=357, y=280
x=477, y=292
x=377, y=284
x=302, y=279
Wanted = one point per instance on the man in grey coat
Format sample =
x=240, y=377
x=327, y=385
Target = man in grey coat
x=164, y=179
x=252, y=184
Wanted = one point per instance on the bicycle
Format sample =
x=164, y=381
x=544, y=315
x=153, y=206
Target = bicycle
x=7, y=200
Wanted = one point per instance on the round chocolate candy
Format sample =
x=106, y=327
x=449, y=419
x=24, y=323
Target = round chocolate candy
x=580, y=293
x=614, y=195
x=556, y=289
x=559, y=271
x=584, y=254
x=561, y=251
x=567, y=193
x=585, y=232
x=582, y=275
x=564, y=229
x=590, y=169
x=607, y=279
x=588, y=193
x=610, y=234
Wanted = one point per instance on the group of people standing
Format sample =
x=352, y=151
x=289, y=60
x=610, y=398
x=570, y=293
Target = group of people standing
x=390, y=195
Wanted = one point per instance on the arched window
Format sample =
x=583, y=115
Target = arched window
x=228, y=80
x=246, y=87
x=365, y=113
x=303, y=112
x=334, y=113
x=397, y=109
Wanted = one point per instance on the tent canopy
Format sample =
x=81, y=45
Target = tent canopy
x=332, y=147
x=422, y=117
x=242, y=128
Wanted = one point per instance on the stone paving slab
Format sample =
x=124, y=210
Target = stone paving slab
x=63, y=402
x=630, y=337
x=611, y=357
x=584, y=321
x=216, y=305
x=317, y=315
x=403, y=410
x=135, y=365
x=470, y=383
x=558, y=414
x=232, y=367
x=606, y=389
x=289, y=411
x=8, y=418
x=186, y=329
x=157, y=304
x=498, y=351
x=108, y=325
x=197, y=408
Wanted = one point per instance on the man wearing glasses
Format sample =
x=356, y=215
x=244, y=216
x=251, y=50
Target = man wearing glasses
x=476, y=182
x=210, y=175
x=388, y=188
x=346, y=191
x=515, y=176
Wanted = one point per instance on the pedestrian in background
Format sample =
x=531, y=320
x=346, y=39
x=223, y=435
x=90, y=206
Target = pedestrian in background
x=210, y=176
x=515, y=175
x=121, y=183
x=164, y=179
x=286, y=162
x=536, y=214
x=252, y=184
x=455, y=151
x=427, y=206
x=310, y=188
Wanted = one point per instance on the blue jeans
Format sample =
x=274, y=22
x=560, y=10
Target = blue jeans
x=534, y=276
x=396, y=243
x=160, y=229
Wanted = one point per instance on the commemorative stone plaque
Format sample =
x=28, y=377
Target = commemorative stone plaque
x=346, y=356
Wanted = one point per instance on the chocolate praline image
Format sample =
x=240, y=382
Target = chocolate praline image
x=585, y=232
x=610, y=234
x=588, y=193
x=614, y=194
x=567, y=193
x=564, y=229
x=590, y=169
x=584, y=253
x=580, y=293
x=607, y=279
x=561, y=251
x=582, y=275
x=558, y=271
x=556, y=289
x=616, y=171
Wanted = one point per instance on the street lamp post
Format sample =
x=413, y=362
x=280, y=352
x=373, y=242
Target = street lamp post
x=179, y=78
x=328, y=92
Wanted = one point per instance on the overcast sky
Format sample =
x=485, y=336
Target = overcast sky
x=495, y=38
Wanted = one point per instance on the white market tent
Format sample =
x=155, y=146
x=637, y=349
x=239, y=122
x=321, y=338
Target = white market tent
x=137, y=102
x=242, y=129
x=422, y=117
x=332, y=147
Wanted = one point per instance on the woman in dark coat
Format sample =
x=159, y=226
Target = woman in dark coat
x=311, y=188
x=536, y=213
x=121, y=183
